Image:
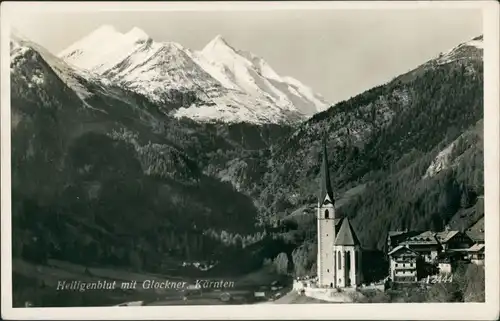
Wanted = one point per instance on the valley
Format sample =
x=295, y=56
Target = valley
x=152, y=155
x=42, y=285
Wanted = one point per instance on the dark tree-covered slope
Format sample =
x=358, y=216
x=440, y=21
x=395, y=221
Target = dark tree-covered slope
x=391, y=140
x=101, y=175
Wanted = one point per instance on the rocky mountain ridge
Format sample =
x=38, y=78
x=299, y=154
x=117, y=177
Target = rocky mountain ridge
x=82, y=143
x=218, y=83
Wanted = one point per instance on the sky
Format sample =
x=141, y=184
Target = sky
x=338, y=53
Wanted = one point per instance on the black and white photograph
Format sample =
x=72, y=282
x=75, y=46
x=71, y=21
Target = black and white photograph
x=238, y=157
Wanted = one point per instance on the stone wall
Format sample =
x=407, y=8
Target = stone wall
x=330, y=295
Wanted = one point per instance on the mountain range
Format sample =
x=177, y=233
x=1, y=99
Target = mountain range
x=131, y=152
x=218, y=83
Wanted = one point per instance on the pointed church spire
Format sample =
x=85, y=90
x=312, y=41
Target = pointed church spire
x=325, y=182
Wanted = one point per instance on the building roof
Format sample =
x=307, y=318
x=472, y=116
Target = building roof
x=425, y=238
x=476, y=236
x=476, y=231
x=396, y=233
x=399, y=248
x=445, y=236
x=346, y=234
x=476, y=248
x=325, y=182
x=432, y=238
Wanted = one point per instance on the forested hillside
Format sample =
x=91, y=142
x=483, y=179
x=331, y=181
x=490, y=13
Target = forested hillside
x=412, y=148
x=105, y=176
x=101, y=175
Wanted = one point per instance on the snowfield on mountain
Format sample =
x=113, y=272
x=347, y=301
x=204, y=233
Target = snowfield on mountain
x=221, y=83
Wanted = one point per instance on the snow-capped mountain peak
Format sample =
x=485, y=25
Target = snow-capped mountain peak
x=476, y=42
x=101, y=36
x=222, y=78
x=218, y=44
x=24, y=52
x=103, y=32
x=136, y=34
x=467, y=50
x=103, y=48
x=219, y=51
x=243, y=69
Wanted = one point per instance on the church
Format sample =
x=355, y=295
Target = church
x=339, y=250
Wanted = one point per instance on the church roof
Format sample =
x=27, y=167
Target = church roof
x=346, y=234
x=325, y=182
x=338, y=223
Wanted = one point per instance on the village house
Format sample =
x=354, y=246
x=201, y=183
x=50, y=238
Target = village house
x=425, y=244
x=455, y=245
x=438, y=249
x=444, y=263
x=454, y=240
x=445, y=267
x=430, y=244
x=403, y=264
x=396, y=237
x=476, y=254
x=476, y=234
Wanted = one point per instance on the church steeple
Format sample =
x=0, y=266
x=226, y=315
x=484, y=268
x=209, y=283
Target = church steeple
x=338, y=261
x=325, y=182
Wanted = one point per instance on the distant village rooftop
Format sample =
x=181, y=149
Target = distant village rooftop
x=426, y=237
